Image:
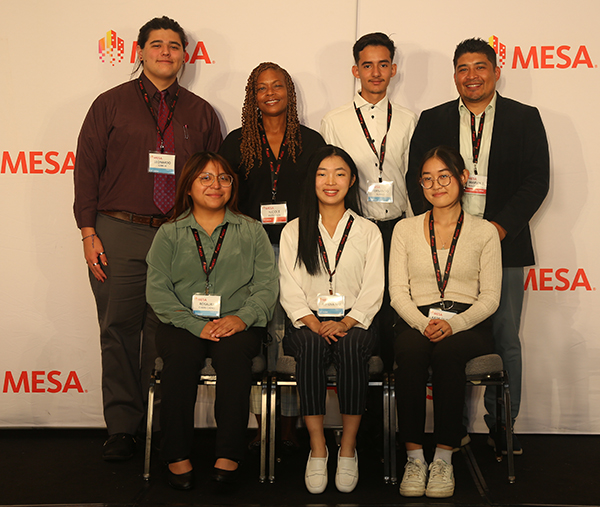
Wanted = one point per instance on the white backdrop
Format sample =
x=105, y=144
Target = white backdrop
x=51, y=72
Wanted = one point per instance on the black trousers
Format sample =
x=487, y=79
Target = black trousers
x=184, y=355
x=386, y=315
x=350, y=355
x=414, y=355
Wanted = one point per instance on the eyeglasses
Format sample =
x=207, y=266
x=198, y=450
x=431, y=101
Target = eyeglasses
x=207, y=179
x=443, y=180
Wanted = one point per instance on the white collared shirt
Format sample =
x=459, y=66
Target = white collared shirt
x=359, y=275
x=341, y=127
x=474, y=203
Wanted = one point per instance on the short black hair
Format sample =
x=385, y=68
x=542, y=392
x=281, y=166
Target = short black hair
x=373, y=39
x=475, y=45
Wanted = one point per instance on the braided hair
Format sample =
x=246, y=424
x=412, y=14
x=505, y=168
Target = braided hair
x=251, y=146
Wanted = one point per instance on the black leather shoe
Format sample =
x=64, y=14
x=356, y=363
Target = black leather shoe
x=119, y=447
x=180, y=481
x=225, y=476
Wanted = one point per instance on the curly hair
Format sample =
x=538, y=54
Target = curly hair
x=251, y=146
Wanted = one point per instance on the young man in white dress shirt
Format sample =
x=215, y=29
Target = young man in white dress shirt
x=376, y=133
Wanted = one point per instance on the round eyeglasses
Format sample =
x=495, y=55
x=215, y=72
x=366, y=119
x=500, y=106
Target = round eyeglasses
x=443, y=180
x=207, y=179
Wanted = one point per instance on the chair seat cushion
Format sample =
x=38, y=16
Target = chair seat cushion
x=482, y=365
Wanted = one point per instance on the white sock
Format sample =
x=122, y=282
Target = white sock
x=416, y=454
x=443, y=454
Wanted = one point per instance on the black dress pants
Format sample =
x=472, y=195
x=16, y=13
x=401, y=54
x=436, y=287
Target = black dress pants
x=183, y=355
x=414, y=354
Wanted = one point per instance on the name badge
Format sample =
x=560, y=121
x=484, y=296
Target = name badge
x=331, y=305
x=204, y=305
x=438, y=313
x=273, y=213
x=380, y=191
x=161, y=163
x=477, y=185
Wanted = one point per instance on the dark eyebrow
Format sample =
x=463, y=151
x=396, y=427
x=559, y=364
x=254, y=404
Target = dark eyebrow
x=482, y=62
x=378, y=61
x=169, y=42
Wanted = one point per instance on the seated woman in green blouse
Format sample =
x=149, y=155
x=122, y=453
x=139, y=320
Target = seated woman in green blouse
x=213, y=283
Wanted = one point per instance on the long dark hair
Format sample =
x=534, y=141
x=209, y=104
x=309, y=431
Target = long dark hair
x=308, y=220
x=191, y=170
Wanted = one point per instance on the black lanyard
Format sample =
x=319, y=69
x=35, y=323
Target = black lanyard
x=443, y=282
x=338, y=254
x=205, y=266
x=476, y=138
x=161, y=133
x=381, y=155
x=274, y=170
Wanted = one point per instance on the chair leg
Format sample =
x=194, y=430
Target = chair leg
x=498, y=427
x=392, y=387
x=272, y=424
x=150, y=416
x=509, y=434
x=386, y=429
x=263, y=428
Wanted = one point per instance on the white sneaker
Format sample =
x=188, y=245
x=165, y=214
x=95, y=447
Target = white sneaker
x=346, y=476
x=414, y=479
x=315, y=477
x=441, y=480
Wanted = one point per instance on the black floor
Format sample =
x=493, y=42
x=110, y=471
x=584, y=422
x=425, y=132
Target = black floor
x=63, y=467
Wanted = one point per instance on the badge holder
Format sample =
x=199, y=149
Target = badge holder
x=331, y=305
x=438, y=313
x=476, y=184
x=161, y=163
x=380, y=191
x=273, y=213
x=206, y=305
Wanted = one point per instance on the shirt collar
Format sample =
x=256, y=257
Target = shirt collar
x=490, y=107
x=151, y=89
x=343, y=220
x=362, y=103
x=190, y=221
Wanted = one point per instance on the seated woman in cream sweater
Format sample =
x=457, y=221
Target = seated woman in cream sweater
x=445, y=279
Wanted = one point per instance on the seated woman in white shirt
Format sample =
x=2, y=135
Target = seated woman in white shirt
x=445, y=279
x=331, y=287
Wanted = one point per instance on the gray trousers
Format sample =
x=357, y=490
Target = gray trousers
x=506, y=324
x=127, y=323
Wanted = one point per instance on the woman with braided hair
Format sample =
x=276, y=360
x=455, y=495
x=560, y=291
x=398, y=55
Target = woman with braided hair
x=271, y=150
x=270, y=154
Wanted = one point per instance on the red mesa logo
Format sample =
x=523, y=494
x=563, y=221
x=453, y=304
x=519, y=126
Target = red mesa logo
x=543, y=57
x=111, y=48
x=499, y=48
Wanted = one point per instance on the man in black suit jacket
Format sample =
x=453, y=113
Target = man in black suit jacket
x=505, y=149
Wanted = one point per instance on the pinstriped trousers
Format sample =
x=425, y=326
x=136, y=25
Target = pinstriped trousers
x=350, y=356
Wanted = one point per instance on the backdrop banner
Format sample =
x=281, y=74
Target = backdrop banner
x=59, y=56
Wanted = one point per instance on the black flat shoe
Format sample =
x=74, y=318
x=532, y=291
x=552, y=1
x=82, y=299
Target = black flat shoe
x=180, y=481
x=119, y=447
x=225, y=476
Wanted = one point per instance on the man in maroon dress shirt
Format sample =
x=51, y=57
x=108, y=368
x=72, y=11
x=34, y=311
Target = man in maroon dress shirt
x=132, y=146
